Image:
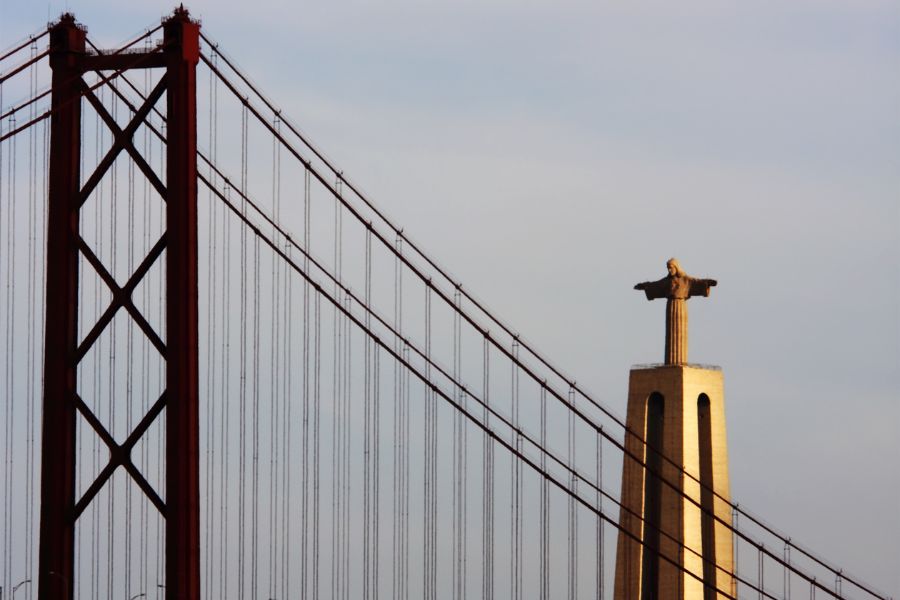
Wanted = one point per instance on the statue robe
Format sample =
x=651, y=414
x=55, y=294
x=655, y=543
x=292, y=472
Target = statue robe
x=676, y=289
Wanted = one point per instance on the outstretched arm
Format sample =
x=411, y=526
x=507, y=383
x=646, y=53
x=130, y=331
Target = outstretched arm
x=655, y=289
x=700, y=287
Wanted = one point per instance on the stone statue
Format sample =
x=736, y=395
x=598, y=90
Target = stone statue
x=676, y=287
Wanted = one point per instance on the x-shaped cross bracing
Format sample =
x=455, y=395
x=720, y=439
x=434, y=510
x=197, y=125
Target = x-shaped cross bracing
x=120, y=454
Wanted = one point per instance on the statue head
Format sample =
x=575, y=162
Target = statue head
x=674, y=268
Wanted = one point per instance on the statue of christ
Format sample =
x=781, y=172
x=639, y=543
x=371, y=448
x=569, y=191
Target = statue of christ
x=676, y=287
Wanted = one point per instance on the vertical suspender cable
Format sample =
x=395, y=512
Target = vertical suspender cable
x=10, y=353
x=8, y=393
x=227, y=371
x=32, y=333
x=335, y=420
x=487, y=578
x=429, y=581
x=599, y=542
x=98, y=219
x=129, y=390
x=212, y=346
x=161, y=375
x=456, y=514
x=396, y=550
x=737, y=543
x=306, y=460
x=256, y=423
x=377, y=460
x=111, y=554
x=367, y=440
x=348, y=426
x=143, y=537
x=573, y=507
x=376, y=426
x=761, y=567
x=282, y=376
x=787, y=573
x=317, y=384
x=142, y=506
x=5, y=391
x=545, y=488
x=242, y=430
x=255, y=469
x=515, y=483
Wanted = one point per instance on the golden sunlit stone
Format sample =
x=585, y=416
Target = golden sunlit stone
x=676, y=541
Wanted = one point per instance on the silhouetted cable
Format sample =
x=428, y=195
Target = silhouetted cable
x=433, y=388
x=143, y=533
x=557, y=372
x=212, y=344
x=255, y=475
x=244, y=357
x=516, y=483
x=29, y=40
x=317, y=404
x=35, y=200
x=307, y=460
x=599, y=583
x=572, y=553
x=9, y=370
x=227, y=373
x=367, y=439
x=430, y=451
x=255, y=349
x=431, y=434
x=112, y=505
x=544, y=551
x=284, y=345
x=396, y=546
x=29, y=62
x=348, y=316
x=129, y=377
x=337, y=195
x=13, y=131
x=98, y=219
x=488, y=482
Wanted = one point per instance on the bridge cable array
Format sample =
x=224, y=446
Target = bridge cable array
x=516, y=339
x=478, y=305
x=268, y=401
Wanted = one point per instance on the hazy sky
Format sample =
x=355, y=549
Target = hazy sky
x=554, y=154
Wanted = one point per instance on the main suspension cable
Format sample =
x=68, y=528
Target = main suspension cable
x=507, y=329
x=432, y=388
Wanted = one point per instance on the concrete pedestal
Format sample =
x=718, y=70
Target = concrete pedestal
x=679, y=410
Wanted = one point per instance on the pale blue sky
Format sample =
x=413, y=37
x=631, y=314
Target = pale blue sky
x=553, y=154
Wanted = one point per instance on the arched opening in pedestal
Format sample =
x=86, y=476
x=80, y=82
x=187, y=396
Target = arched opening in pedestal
x=652, y=497
x=707, y=520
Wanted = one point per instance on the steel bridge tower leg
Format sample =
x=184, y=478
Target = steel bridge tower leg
x=57, y=541
x=182, y=40
x=60, y=508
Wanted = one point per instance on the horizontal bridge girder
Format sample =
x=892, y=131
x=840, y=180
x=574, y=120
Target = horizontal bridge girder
x=123, y=61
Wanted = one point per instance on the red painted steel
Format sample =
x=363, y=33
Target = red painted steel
x=181, y=507
x=181, y=40
x=57, y=541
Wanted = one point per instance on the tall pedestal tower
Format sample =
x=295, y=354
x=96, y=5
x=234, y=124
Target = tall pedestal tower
x=676, y=540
